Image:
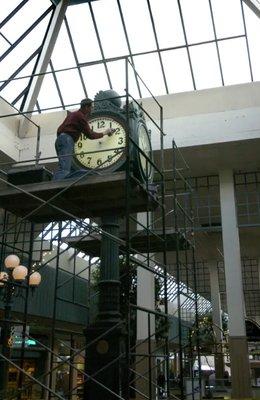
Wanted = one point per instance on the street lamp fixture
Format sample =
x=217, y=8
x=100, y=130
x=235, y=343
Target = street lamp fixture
x=17, y=273
x=12, y=278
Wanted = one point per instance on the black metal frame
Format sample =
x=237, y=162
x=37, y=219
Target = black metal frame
x=156, y=268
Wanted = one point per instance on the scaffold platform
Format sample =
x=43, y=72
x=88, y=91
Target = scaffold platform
x=141, y=242
x=92, y=196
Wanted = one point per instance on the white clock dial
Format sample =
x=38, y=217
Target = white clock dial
x=105, y=152
x=145, y=145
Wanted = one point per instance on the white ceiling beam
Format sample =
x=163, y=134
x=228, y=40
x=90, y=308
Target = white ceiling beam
x=254, y=5
x=42, y=64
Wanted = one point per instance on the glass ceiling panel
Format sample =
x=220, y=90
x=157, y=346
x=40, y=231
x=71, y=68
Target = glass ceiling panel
x=62, y=56
x=70, y=86
x=13, y=89
x=114, y=44
x=7, y=7
x=207, y=74
x=117, y=75
x=138, y=25
x=95, y=79
x=234, y=61
x=170, y=32
x=156, y=86
x=23, y=50
x=177, y=69
x=48, y=96
x=24, y=18
x=18, y=104
x=132, y=85
x=197, y=20
x=253, y=34
x=83, y=33
x=4, y=45
x=227, y=17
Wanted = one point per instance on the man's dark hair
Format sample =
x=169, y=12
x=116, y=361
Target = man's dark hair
x=85, y=103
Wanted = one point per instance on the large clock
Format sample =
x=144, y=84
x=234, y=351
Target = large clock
x=144, y=160
x=107, y=153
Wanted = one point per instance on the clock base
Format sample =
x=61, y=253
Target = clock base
x=104, y=361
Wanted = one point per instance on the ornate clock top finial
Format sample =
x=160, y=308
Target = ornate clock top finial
x=107, y=100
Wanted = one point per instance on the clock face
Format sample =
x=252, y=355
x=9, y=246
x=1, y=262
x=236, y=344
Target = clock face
x=144, y=143
x=105, y=152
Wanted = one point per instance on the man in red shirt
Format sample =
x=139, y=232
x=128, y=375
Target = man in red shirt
x=69, y=132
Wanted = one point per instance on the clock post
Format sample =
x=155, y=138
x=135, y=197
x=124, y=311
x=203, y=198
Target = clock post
x=105, y=338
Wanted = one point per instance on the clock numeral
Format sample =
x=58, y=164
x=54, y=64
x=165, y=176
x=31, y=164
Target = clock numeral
x=81, y=155
x=101, y=124
x=99, y=161
x=83, y=136
x=79, y=145
x=109, y=158
x=88, y=160
x=117, y=131
x=120, y=140
x=117, y=151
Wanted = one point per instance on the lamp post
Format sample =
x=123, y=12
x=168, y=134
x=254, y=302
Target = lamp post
x=12, y=280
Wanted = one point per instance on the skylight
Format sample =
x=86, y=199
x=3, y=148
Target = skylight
x=175, y=45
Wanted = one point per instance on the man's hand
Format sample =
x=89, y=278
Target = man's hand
x=109, y=131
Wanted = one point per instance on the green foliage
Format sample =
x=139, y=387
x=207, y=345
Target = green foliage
x=95, y=278
x=128, y=291
x=162, y=324
x=128, y=294
x=205, y=334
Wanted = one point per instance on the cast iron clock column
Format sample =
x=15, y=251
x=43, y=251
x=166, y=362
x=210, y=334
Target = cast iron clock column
x=105, y=338
x=104, y=353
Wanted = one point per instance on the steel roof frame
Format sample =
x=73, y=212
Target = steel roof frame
x=131, y=55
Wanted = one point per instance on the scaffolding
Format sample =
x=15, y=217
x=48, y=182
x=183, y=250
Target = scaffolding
x=154, y=301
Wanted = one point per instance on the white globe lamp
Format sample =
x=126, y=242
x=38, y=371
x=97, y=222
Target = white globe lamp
x=19, y=273
x=35, y=279
x=12, y=261
x=3, y=277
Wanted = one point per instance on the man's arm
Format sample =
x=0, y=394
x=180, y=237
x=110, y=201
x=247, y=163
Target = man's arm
x=96, y=135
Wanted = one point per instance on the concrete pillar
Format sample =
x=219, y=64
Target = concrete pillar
x=145, y=290
x=258, y=264
x=42, y=63
x=257, y=318
x=216, y=318
x=145, y=298
x=144, y=345
x=145, y=327
x=240, y=372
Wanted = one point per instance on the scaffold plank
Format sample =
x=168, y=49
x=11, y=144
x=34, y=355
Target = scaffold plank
x=93, y=196
x=141, y=242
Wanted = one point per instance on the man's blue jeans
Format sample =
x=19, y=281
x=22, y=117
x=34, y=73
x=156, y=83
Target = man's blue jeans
x=64, y=146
